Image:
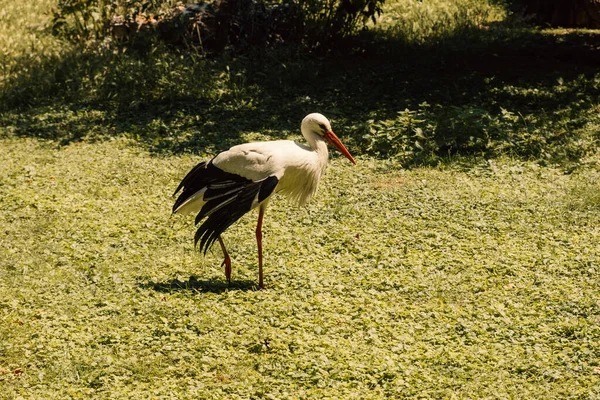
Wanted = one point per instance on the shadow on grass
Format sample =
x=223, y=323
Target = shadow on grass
x=194, y=284
x=173, y=103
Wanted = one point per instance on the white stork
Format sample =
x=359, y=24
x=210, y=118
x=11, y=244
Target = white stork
x=246, y=176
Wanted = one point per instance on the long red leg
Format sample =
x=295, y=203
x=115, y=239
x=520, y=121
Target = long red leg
x=261, y=214
x=226, y=261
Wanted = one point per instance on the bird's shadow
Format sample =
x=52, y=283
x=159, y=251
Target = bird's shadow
x=195, y=284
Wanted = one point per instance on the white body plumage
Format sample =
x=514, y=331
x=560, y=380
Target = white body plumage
x=298, y=167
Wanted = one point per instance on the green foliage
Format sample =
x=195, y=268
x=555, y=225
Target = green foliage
x=26, y=49
x=327, y=20
x=474, y=280
x=408, y=136
x=83, y=20
x=431, y=132
x=215, y=25
x=432, y=21
x=80, y=20
x=482, y=87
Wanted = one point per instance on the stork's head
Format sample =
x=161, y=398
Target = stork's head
x=319, y=125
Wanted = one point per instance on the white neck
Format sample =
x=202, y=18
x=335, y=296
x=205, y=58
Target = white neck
x=317, y=144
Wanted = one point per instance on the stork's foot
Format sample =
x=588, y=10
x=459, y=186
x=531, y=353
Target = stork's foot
x=226, y=260
x=227, y=264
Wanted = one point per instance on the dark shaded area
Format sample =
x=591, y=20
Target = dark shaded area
x=174, y=102
x=194, y=284
x=562, y=13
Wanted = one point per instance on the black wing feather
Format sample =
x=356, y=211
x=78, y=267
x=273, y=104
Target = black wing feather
x=204, y=175
x=228, y=197
x=266, y=187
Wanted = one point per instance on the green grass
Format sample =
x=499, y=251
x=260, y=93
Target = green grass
x=420, y=22
x=473, y=277
x=445, y=282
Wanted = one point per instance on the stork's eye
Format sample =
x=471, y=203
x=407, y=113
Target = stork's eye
x=322, y=126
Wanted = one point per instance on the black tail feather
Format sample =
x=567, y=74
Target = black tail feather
x=213, y=205
x=220, y=217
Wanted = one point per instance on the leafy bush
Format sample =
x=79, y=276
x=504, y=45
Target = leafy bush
x=82, y=20
x=430, y=132
x=410, y=134
x=216, y=25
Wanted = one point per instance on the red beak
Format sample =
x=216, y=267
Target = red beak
x=334, y=140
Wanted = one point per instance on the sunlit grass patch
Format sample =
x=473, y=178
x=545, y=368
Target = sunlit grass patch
x=471, y=279
x=420, y=22
x=26, y=43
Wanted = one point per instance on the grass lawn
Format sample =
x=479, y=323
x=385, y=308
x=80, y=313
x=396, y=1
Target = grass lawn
x=450, y=282
x=415, y=274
